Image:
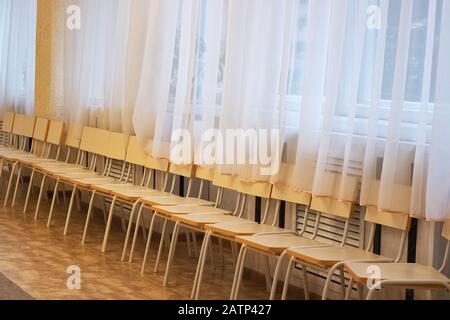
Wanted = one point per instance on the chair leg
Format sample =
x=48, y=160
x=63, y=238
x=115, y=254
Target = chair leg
x=222, y=256
x=8, y=190
x=88, y=217
x=241, y=273
x=105, y=215
x=41, y=191
x=130, y=224
x=287, y=278
x=348, y=294
x=188, y=243
x=64, y=194
x=136, y=233
x=202, y=267
x=173, y=247
x=194, y=241
x=237, y=271
x=161, y=245
x=78, y=198
x=30, y=186
x=16, y=187
x=69, y=211
x=199, y=266
x=343, y=288
x=122, y=217
x=276, y=275
x=147, y=245
x=305, y=281
x=50, y=214
x=267, y=273
x=108, y=224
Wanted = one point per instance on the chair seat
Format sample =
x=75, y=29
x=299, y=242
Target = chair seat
x=329, y=256
x=10, y=155
x=188, y=209
x=119, y=186
x=56, y=168
x=174, y=201
x=201, y=220
x=134, y=195
x=231, y=229
x=85, y=179
x=277, y=243
x=394, y=271
x=22, y=157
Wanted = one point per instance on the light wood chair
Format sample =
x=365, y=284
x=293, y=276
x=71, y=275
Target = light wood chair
x=49, y=154
x=276, y=245
x=7, y=141
x=97, y=143
x=332, y=259
x=39, y=127
x=194, y=220
x=23, y=130
x=7, y=127
x=148, y=203
x=18, y=128
x=46, y=135
x=128, y=193
x=404, y=275
x=46, y=168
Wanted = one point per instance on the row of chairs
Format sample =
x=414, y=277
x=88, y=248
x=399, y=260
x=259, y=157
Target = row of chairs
x=88, y=166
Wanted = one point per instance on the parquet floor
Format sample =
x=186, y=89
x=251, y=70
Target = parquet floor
x=36, y=259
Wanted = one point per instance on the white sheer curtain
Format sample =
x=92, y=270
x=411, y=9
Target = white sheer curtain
x=181, y=80
x=103, y=61
x=357, y=88
x=17, y=55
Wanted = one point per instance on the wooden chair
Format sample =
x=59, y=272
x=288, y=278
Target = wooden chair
x=276, y=245
x=405, y=275
x=231, y=230
x=54, y=139
x=39, y=129
x=198, y=221
x=127, y=193
x=18, y=128
x=7, y=127
x=97, y=143
x=190, y=200
x=48, y=167
x=46, y=135
x=332, y=259
x=22, y=131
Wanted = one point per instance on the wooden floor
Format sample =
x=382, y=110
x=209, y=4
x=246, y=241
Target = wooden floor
x=36, y=259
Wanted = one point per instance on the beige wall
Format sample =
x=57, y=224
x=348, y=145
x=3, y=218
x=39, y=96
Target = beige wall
x=49, y=58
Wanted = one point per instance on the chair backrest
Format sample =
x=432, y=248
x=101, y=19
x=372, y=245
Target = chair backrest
x=398, y=221
x=73, y=137
x=118, y=144
x=181, y=170
x=446, y=230
x=225, y=181
x=280, y=191
x=8, y=122
x=29, y=122
x=19, y=123
x=55, y=132
x=41, y=129
x=285, y=193
x=95, y=141
x=343, y=209
x=135, y=153
x=204, y=173
x=256, y=189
